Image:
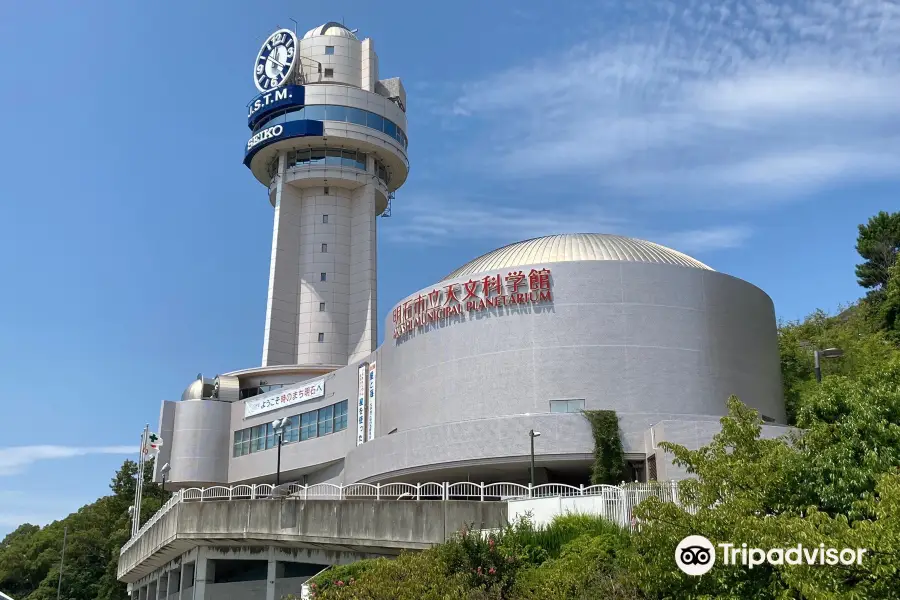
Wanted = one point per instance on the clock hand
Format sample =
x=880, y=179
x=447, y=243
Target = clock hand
x=275, y=61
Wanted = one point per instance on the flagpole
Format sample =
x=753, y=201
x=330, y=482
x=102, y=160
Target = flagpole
x=139, y=487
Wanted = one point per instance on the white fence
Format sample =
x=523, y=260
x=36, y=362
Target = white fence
x=616, y=502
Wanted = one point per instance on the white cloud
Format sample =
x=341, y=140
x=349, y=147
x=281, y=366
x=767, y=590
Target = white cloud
x=429, y=219
x=18, y=458
x=699, y=241
x=438, y=220
x=703, y=100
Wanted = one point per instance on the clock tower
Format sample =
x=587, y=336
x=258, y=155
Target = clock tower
x=329, y=142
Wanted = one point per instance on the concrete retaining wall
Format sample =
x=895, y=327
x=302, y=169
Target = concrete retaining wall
x=371, y=526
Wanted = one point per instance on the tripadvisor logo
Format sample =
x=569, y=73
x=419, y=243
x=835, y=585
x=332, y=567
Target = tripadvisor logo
x=696, y=555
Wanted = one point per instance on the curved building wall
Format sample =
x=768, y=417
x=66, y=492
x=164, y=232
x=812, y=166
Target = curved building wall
x=200, y=442
x=344, y=63
x=650, y=341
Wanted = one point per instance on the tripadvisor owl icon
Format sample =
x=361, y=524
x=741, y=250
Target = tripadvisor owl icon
x=695, y=555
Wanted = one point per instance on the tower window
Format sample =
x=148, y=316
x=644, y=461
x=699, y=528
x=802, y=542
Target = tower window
x=324, y=218
x=321, y=307
x=327, y=190
x=329, y=49
x=321, y=337
x=324, y=247
x=329, y=72
x=321, y=276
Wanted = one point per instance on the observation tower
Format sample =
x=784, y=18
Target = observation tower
x=329, y=141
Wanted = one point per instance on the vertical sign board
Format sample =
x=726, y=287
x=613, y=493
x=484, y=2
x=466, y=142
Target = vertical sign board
x=361, y=407
x=371, y=424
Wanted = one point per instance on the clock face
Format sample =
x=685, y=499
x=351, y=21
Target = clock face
x=275, y=61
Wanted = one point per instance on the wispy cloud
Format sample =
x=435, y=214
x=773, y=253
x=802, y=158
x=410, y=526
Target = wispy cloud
x=434, y=220
x=699, y=241
x=17, y=459
x=439, y=220
x=734, y=99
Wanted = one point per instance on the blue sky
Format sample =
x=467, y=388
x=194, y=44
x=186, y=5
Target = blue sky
x=753, y=135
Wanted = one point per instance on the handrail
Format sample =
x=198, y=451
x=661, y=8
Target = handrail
x=625, y=497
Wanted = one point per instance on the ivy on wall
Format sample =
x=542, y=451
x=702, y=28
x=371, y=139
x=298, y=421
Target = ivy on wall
x=609, y=457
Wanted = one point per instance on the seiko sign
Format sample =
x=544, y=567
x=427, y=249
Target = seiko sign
x=265, y=134
x=279, y=133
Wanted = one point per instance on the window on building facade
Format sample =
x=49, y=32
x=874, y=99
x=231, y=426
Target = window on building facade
x=308, y=425
x=340, y=415
x=321, y=307
x=292, y=430
x=301, y=427
x=322, y=277
x=329, y=72
x=333, y=112
x=257, y=438
x=324, y=247
x=261, y=389
x=566, y=406
x=326, y=420
x=242, y=442
x=329, y=49
x=324, y=218
x=321, y=337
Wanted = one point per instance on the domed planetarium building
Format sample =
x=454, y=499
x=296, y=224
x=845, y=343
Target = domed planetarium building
x=521, y=339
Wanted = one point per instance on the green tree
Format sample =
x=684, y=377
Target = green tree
x=766, y=493
x=851, y=437
x=29, y=556
x=878, y=243
x=889, y=309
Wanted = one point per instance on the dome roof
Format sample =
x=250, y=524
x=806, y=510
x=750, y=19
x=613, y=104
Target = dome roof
x=330, y=28
x=199, y=389
x=571, y=247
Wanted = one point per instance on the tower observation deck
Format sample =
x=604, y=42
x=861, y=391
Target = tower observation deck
x=329, y=141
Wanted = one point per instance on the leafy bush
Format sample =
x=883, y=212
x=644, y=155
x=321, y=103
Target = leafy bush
x=586, y=567
x=411, y=576
x=472, y=565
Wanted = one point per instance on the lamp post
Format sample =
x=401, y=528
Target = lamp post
x=164, y=471
x=62, y=561
x=827, y=353
x=278, y=425
x=533, y=434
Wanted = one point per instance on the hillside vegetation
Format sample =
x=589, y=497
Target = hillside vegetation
x=838, y=484
x=30, y=555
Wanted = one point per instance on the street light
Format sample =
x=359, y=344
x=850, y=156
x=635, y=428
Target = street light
x=533, y=434
x=827, y=353
x=164, y=471
x=278, y=425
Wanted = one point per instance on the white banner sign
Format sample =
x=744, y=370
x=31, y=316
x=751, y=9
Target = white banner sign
x=371, y=425
x=361, y=407
x=308, y=390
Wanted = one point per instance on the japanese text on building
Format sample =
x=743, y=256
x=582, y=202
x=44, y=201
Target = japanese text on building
x=490, y=291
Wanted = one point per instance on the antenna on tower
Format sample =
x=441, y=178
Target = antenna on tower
x=295, y=24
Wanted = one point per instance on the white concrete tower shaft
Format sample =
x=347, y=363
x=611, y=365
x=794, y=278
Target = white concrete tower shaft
x=328, y=187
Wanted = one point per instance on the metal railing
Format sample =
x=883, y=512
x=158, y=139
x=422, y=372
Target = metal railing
x=619, y=500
